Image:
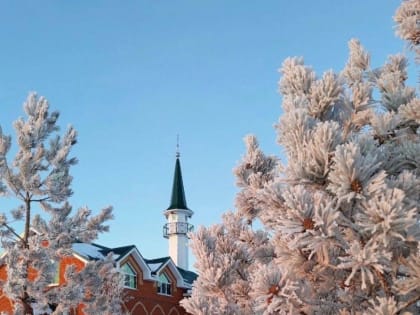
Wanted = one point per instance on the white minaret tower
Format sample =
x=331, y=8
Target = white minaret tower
x=177, y=216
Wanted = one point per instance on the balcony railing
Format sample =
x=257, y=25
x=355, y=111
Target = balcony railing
x=177, y=228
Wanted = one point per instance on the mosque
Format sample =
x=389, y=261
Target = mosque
x=152, y=286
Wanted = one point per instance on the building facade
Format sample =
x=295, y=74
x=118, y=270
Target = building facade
x=152, y=286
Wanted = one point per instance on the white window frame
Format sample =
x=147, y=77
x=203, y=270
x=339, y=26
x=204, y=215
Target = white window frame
x=164, y=285
x=129, y=277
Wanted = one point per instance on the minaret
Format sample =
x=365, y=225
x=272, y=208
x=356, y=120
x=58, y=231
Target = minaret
x=177, y=216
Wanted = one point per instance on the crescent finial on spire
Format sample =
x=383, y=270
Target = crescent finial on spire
x=178, y=154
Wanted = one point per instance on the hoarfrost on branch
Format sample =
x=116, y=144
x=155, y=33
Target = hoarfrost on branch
x=339, y=223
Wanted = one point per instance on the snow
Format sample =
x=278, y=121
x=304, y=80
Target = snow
x=88, y=250
x=155, y=266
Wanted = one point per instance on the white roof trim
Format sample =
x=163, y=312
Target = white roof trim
x=80, y=257
x=147, y=273
x=172, y=267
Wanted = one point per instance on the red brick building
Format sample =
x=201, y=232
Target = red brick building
x=152, y=286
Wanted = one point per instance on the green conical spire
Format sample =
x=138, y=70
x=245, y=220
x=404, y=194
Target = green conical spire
x=178, y=200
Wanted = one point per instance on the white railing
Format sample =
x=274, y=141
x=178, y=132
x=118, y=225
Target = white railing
x=177, y=228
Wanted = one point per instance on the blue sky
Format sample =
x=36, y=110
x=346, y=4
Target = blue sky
x=131, y=75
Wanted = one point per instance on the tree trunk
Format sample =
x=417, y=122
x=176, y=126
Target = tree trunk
x=26, y=303
x=27, y=219
x=27, y=308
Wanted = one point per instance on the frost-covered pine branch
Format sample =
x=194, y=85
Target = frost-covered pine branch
x=340, y=224
x=407, y=18
x=39, y=178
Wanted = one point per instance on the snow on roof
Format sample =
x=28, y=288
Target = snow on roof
x=89, y=250
x=157, y=263
x=154, y=267
x=95, y=252
x=188, y=276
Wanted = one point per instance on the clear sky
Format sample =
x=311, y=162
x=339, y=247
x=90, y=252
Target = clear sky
x=131, y=75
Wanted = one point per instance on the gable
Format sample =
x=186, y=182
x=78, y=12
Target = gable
x=137, y=261
x=147, y=269
x=134, y=265
x=167, y=265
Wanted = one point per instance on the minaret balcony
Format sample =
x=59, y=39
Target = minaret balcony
x=173, y=228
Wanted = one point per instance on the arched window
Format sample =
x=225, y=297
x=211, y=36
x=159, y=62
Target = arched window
x=164, y=285
x=130, y=276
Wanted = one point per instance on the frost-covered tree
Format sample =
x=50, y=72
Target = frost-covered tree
x=408, y=23
x=39, y=179
x=339, y=223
